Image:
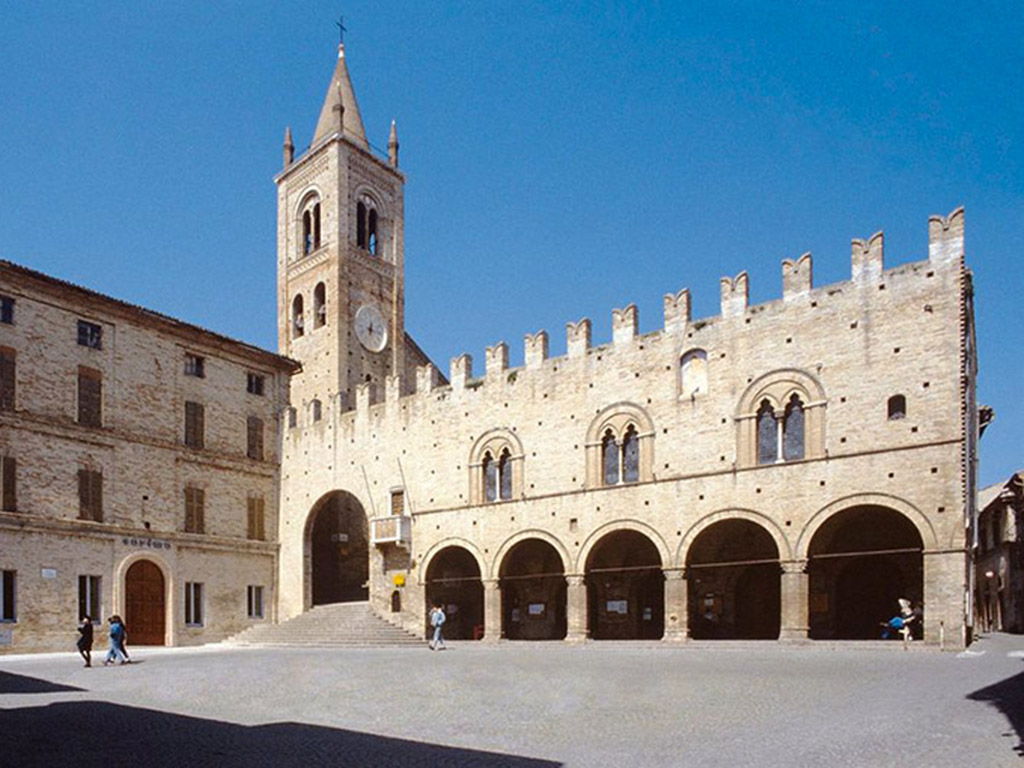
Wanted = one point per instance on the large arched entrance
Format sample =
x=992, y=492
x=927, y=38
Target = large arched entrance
x=533, y=592
x=625, y=588
x=453, y=581
x=734, y=583
x=339, y=550
x=145, y=609
x=860, y=563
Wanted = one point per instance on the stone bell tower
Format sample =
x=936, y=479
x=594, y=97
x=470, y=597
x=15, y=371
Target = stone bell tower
x=340, y=294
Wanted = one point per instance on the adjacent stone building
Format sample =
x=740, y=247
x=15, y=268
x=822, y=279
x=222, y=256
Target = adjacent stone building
x=1000, y=557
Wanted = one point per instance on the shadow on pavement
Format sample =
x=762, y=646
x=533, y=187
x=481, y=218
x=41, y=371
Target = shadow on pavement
x=11, y=683
x=1008, y=696
x=103, y=734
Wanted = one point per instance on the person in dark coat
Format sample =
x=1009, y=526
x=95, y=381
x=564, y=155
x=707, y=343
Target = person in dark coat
x=85, y=639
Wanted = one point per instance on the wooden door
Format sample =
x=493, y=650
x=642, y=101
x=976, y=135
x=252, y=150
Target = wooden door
x=145, y=609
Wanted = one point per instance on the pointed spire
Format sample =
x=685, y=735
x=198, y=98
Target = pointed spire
x=393, y=146
x=341, y=99
x=289, y=147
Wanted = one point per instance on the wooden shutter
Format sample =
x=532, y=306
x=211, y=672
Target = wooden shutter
x=90, y=495
x=7, y=378
x=194, y=427
x=90, y=397
x=398, y=503
x=254, y=431
x=9, y=480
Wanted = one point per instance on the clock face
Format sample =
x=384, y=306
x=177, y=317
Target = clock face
x=371, y=329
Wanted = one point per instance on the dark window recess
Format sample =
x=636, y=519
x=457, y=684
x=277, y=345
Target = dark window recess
x=293, y=417
x=897, y=407
x=8, y=378
x=254, y=442
x=610, y=458
x=195, y=510
x=317, y=410
x=793, y=430
x=193, y=604
x=490, y=469
x=319, y=305
x=361, y=225
x=767, y=434
x=254, y=384
x=254, y=601
x=89, y=597
x=195, y=365
x=194, y=425
x=255, y=528
x=297, y=319
x=8, y=481
x=7, y=596
x=6, y=310
x=505, y=475
x=90, y=495
x=90, y=335
x=90, y=397
x=630, y=456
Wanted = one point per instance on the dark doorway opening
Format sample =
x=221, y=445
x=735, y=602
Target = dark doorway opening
x=533, y=592
x=625, y=588
x=734, y=583
x=453, y=581
x=145, y=607
x=860, y=563
x=340, y=550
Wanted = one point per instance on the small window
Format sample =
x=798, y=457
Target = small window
x=6, y=310
x=7, y=596
x=90, y=335
x=694, y=373
x=254, y=601
x=8, y=483
x=90, y=495
x=254, y=384
x=297, y=319
x=317, y=410
x=195, y=365
x=8, y=378
x=398, y=502
x=193, y=604
x=255, y=523
x=195, y=418
x=897, y=407
x=254, y=438
x=195, y=510
x=89, y=598
x=319, y=305
x=293, y=417
x=90, y=397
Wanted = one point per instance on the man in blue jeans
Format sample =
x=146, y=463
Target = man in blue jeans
x=437, y=619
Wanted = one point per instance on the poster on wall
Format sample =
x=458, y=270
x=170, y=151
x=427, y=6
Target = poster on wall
x=536, y=609
x=617, y=606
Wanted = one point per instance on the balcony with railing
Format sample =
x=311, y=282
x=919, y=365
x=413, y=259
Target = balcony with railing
x=396, y=530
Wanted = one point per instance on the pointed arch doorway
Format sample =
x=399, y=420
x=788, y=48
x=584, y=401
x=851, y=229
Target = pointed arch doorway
x=338, y=546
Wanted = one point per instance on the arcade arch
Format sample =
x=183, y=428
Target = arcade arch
x=533, y=591
x=337, y=567
x=453, y=581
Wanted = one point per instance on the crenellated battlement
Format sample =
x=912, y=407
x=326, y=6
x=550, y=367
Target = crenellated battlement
x=867, y=268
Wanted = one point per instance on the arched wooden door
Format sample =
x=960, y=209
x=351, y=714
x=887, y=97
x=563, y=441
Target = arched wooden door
x=144, y=606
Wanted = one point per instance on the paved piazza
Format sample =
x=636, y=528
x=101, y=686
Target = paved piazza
x=521, y=705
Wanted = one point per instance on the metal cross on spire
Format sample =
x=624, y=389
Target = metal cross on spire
x=340, y=24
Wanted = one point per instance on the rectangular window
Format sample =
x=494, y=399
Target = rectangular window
x=90, y=495
x=90, y=335
x=90, y=397
x=398, y=502
x=8, y=378
x=193, y=604
x=6, y=310
x=194, y=425
x=255, y=528
x=195, y=365
x=254, y=384
x=7, y=596
x=89, y=598
x=254, y=443
x=293, y=417
x=195, y=510
x=254, y=602
x=9, y=483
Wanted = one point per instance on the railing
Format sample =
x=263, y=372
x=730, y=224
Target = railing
x=396, y=529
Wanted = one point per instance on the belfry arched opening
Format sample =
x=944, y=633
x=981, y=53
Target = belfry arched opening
x=734, y=583
x=860, y=563
x=533, y=592
x=453, y=582
x=339, y=555
x=625, y=588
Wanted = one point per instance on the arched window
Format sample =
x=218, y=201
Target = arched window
x=309, y=214
x=307, y=232
x=630, y=456
x=361, y=224
x=505, y=475
x=693, y=372
x=767, y=434
x=497, y=476
x=297, y=320
x=316, y=226
x=371, y=242
x=897, y=407
x=490, y=470
x=793, y=430
x=317, y=410
x=496, y=467
x=319, y=305
x=610, y=458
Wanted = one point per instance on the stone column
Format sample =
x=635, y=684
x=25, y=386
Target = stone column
x=676, y=615
x=795, y=589
x=576, y=609
x=492, y=611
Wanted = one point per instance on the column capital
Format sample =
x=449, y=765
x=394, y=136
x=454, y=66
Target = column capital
x=674, y=573
x=793, y=566
x=491, y=584
x=575, y=579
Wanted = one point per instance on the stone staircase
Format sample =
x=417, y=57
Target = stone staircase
x=341, y=624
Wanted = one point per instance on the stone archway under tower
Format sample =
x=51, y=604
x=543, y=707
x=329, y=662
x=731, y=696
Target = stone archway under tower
x=337, y=544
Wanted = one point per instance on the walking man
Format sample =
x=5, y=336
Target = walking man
x=85, y=639
x=437, y=619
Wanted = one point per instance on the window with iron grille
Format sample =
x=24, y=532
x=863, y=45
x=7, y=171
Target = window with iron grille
x=90, y=335
x=90, y=495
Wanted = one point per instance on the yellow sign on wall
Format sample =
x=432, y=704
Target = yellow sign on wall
x=399, y=580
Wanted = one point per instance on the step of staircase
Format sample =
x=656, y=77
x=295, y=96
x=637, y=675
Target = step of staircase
x=340, y=624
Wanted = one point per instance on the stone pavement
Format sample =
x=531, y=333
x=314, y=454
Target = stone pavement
x=521, y=705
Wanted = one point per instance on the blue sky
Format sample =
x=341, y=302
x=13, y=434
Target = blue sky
x=562, y=159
